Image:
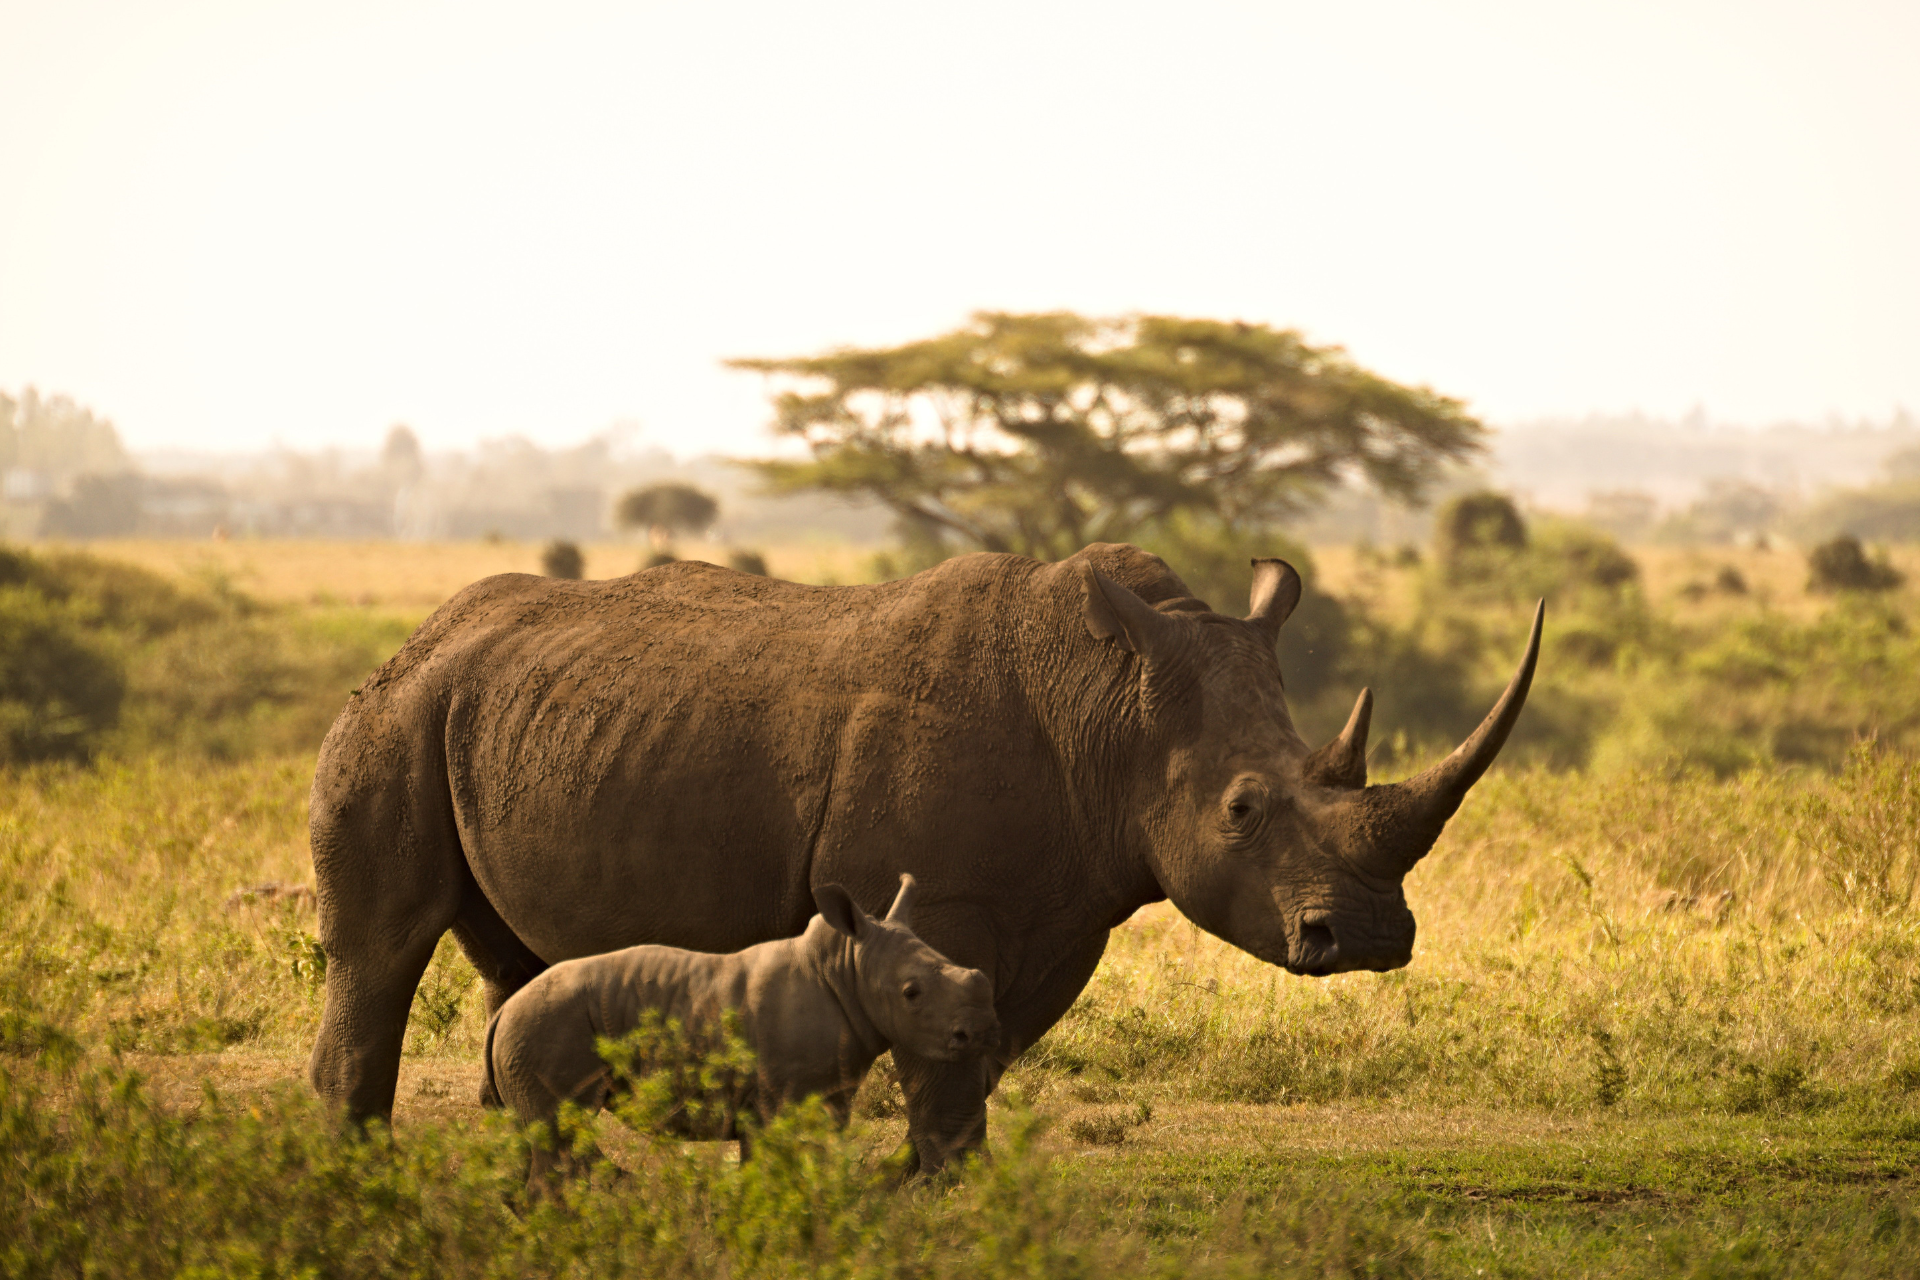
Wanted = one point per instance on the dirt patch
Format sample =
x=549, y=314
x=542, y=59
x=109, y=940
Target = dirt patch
x=436, y=1089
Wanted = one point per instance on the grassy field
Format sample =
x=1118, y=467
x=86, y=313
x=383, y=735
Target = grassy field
x=1662, y=1020
x=416, y=577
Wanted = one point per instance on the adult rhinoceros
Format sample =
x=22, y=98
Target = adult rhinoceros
x=554, y=769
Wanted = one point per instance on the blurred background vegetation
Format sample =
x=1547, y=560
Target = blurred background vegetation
x=1733, y=622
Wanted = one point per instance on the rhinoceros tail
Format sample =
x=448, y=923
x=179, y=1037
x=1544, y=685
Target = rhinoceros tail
x=489, y=1091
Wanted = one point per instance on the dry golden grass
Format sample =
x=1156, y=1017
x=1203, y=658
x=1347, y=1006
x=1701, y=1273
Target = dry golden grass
x=418, y=576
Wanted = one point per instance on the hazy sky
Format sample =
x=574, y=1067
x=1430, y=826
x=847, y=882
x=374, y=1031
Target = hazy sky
x=225, y=225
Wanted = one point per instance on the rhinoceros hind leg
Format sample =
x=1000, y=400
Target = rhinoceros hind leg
x=356, y=1056
x=382, y=913
x=505, y=963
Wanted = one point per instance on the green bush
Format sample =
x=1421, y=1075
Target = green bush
x=60, y=688
x=99, y=656
x=1470, y=527
x=108, y=1182
x=562, y=559
x=1842, y=564
x=111, y=596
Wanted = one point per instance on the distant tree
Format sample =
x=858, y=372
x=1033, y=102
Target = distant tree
x=1041, y=433
x=1477, y=522
x=1729, y=511
x=57, y=438
x=562, y=559
x=400, y=456
x=748, y=562
x=666, y=509
x=1842, y=564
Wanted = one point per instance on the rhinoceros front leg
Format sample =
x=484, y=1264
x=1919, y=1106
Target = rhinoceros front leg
x=946, y=1109
x=947, y=1101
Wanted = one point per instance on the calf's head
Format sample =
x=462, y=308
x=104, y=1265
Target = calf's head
x=918, y=999
x=1280, y=849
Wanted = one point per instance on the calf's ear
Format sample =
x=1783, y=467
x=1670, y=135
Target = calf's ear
x=839, y=909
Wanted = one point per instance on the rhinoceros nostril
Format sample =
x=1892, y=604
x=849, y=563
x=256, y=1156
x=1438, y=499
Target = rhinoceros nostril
x=1316, y=937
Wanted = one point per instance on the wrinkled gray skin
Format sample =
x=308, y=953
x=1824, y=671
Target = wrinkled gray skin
x=816, y=1010
x=1056, y=744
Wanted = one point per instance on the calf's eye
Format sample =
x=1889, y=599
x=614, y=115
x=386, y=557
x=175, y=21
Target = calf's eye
x=911, y=991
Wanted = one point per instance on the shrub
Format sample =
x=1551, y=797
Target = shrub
x=1478, y=522
x=748, y=562
x=562, y=559
x=107, y=1181
x=60, y=688
x=1590, y=558
x=115, y=596
x=1841, y=564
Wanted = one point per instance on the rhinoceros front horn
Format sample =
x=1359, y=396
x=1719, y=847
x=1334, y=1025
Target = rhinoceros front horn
x=1420, y=806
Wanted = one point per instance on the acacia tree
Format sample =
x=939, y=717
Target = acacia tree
x=664, y=509
x=1042, y=433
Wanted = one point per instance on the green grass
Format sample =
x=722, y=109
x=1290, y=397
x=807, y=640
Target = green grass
x=1663, y=1017
x=1578, y=1075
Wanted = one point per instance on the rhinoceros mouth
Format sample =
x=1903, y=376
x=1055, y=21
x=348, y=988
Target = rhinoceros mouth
x=1314, y=951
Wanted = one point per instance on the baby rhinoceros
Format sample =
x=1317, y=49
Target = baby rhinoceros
x=816, y=1010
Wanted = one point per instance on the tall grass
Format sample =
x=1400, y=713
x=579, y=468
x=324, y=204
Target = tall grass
x=1680, y=931
x=1643, y=941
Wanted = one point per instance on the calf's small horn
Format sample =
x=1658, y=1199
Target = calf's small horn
x=901, y=912
x=1422, y=804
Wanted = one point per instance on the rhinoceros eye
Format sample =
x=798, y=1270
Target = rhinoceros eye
x=1245, y=807
x=911, y=991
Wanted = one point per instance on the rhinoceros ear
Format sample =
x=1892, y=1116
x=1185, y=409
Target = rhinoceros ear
x=839, y=909
x=1115, y=613
x=1276, y=589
